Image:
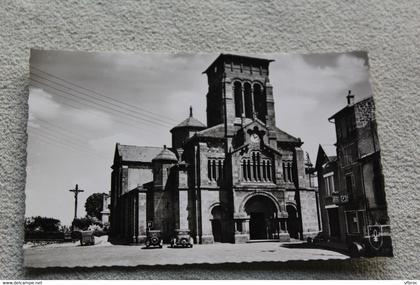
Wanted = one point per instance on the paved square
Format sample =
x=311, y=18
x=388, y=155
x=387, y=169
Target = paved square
x=120, y=255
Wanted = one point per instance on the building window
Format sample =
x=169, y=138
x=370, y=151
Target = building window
x=349, y=183
x=215, y=168
x=237, y=90
x=264, y=171
x=220, y=170
x=248, y=100
x=288, y=171
x=260, y=103
x=256, y=168
x=209, y=169
x=269, y=171
x=329, y=183
x=349, y=154
x=355, y=221
x=351, y=126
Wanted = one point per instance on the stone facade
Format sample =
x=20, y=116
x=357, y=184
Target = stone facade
x=237, y=179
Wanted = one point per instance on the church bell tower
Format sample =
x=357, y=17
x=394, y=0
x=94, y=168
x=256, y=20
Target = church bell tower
x=239, y=90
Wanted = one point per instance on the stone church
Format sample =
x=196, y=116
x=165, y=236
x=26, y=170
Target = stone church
x=239, y=178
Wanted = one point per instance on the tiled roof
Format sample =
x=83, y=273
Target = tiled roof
x=166, y=154
x=138, y=153
x=217, y=131
x=285, y=137
x=330, y=151
x=190, y=122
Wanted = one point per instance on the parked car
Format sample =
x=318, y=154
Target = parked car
x=154, y=238
x=182, y=238
x=87, y=238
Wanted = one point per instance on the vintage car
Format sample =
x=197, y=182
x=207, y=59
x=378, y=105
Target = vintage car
x=182, y=238
x=153, y=238
x=87, y=238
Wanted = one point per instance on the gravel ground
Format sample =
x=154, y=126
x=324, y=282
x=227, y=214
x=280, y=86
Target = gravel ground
x=123, y=255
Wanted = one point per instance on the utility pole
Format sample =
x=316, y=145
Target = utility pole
x=76, y=191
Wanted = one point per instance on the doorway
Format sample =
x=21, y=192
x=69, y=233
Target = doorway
x=334, y=222
x=292, y=222
x=220, y=225
x=263, y=218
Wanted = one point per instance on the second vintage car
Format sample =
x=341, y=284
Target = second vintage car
x=182, y=238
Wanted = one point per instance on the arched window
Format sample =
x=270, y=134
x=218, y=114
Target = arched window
x=284, y=172
x=248, y=100
x=209, y=169
x=254, y=167
x=264, y=171
x=220, y=169
x=248, y=170
x=268, y=171
x=237, y=90
x=260, y=102
x=213, y=169
x=244, y=172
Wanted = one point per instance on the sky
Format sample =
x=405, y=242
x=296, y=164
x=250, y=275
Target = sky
x=81, y=104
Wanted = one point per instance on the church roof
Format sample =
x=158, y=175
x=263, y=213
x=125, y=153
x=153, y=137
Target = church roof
x=138, y=153
x=190, y=122
x=166, y=154
x=217, y=131
x=285, y=137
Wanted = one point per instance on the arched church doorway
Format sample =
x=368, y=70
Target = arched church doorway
x=219, y=224
x=263, y=223
x=292, y=221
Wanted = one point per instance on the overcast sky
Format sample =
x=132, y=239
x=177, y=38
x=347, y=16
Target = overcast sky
x=81, y=104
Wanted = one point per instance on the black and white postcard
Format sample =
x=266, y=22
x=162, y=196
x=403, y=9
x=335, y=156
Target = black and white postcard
x=155, y=159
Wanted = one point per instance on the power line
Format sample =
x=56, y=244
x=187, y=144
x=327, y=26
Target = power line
x=46, y=138
x=135, y=111
x=103, y=106
x=45, y=134
x=60, y=128
x=65, y=148
x=125, y=122
x=68, y=138
x=135, y=108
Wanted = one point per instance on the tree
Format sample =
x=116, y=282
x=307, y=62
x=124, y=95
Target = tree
x=94, y=204
x=82, y=224
x=43, y=224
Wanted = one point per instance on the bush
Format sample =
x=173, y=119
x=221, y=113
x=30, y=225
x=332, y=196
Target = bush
x=85, y=223
x=98, y=230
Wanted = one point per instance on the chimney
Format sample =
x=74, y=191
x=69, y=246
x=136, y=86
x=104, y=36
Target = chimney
x=350, y=99
x=191, y=114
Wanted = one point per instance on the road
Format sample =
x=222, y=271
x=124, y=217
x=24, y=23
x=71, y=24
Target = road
x=123, y=255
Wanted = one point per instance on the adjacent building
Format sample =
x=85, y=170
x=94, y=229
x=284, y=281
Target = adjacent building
x=236, y=179
x=351, y=183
